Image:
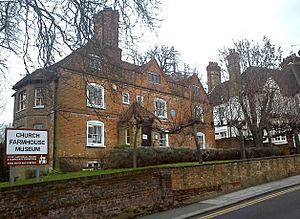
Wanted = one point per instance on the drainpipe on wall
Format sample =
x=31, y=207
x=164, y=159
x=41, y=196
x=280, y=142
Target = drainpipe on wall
x=54, y=120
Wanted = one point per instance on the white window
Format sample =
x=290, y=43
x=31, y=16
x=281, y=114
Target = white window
x=38, y=126
x=22, y=100
x=126, y=98
x=93, y=164
x=95, y=134
x=199, y=113
x=95, y=95
x=153, y=78
x=201, y=138
x=140, y=100
x=94, y=62
x=163, y=139
x=38, y=98
x=223, y=134
x=160, y=108
x=127, y=136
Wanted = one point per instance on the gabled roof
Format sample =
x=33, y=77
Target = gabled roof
x=252, y=80
x=126, y=71
x=289, y=80
x=139, y=113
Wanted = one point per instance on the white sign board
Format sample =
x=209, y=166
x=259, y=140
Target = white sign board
x=26, y=147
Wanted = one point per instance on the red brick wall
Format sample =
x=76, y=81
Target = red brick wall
x=139, y=192
x=74, y=113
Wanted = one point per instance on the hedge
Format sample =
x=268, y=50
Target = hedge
x=147, y=156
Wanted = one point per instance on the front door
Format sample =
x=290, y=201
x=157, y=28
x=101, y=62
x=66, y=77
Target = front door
x=146, y=136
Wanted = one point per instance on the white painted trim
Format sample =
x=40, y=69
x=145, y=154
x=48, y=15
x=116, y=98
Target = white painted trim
x=95, y=123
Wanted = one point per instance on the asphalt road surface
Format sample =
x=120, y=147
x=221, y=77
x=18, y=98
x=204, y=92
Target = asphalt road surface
x=283, y=204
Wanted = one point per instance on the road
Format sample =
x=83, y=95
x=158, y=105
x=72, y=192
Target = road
x=284, y=204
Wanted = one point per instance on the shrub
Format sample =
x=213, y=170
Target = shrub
x=4, y=173
x=122, y=146
x=147, y=156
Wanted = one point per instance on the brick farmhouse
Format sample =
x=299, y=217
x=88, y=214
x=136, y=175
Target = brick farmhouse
x=90, y=100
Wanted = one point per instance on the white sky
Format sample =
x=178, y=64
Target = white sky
x=197, y=29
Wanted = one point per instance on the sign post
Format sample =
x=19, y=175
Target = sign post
x=26, y=147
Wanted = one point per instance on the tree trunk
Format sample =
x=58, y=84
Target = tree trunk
x=257, y=135
x=242, y=144
x=269, y=139
x=297, y=143
x=134, y=157
x=199, y=151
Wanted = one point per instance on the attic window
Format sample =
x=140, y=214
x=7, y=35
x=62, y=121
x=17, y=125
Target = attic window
x=196, y=91
x=153, y=78
x=94, y=62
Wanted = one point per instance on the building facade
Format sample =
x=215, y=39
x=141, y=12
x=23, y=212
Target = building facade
x=92, y=101
x=270, y=98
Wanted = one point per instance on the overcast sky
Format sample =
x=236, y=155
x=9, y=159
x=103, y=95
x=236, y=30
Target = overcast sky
x=197, y=29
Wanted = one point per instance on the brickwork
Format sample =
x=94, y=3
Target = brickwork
x=67, y=111
x=126, y=195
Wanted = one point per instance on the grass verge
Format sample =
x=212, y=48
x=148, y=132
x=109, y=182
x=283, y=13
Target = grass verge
x=72, y=175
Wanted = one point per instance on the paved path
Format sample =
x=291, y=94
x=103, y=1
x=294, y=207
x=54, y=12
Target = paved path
x=225, y=200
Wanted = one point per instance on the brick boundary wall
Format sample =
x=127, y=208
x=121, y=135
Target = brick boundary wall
x=125, y=195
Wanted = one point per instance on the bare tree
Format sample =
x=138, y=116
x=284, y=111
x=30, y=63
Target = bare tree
x=51, y=27
x=252, y=90
x=168, y=57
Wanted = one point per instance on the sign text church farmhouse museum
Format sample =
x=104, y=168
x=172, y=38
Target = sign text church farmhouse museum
x=87, y=100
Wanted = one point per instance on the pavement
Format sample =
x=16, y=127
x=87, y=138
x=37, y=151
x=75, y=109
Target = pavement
x=225, y=200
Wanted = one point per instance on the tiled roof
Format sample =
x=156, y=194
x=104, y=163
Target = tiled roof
x=38, y=76
x=253, y=80
x=139, y=113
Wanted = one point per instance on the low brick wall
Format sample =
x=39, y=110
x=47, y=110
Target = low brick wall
x=207, y=180
x=103, y=196
x=125, y=195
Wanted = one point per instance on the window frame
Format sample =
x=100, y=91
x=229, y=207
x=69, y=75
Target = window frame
x=41, y=98
x=141, y=101
x=102, y=138
x=201, y=134
x=196, y=95
x=127, y=136
x=123, y=98
x=89, y=103
x=35, y=126
x=154, y=78
x=22, y=100
x=93, y=59
x=199, y=114
x=166, y=139
x=165, y=114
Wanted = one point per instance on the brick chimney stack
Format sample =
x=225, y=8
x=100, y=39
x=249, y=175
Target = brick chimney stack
x=106, y=24
x=213, y=75
x=233, y=66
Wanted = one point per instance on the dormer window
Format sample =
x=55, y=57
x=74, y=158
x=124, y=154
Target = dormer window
x=154, y=78
x=94, y=62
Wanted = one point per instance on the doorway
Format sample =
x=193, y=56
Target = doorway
x=146, y=136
